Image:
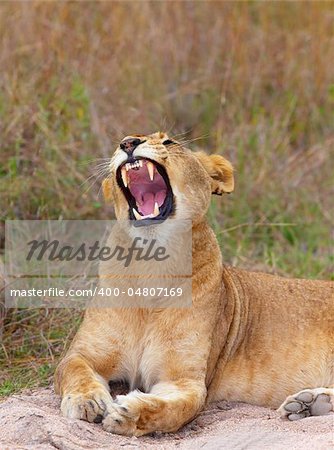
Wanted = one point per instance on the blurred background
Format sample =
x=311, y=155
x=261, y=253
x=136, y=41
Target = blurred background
x=252, y=81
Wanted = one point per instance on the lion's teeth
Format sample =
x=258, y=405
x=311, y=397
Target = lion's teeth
x=150, y=168
x=124, y=177
x=136, y=214
x=156, y=209
x=135, y=165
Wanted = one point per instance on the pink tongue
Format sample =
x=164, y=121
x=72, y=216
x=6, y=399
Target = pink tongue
x=148, y=201
x=160, y=197
x=148, y=204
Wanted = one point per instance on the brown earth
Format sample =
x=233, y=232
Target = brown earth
x=32, y=420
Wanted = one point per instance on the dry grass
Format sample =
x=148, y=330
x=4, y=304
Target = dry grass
x=253, y=80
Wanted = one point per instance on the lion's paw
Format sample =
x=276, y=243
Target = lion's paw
x=309, y=402
x=120, y=421
x=90, y=406
x=134, y=414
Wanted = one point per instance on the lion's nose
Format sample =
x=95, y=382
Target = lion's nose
x=129, y=144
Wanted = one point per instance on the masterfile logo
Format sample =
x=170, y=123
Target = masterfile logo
x=97, y=263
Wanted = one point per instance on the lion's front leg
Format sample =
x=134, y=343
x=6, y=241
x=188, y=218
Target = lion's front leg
x=165, y=408
x=85, y=394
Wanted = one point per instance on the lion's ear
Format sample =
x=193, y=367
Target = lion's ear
x=107, y=190
x=220, y=171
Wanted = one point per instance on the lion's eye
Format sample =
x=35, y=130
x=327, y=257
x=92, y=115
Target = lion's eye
x=168, y=142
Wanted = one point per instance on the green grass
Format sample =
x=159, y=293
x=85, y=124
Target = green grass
x=247, y=79
x=27, y=377
x=33, y=342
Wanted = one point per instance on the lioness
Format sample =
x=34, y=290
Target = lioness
x=248, y=336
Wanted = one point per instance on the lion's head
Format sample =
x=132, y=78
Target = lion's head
x=154, y=178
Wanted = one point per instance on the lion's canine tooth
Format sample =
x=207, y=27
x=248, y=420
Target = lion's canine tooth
x=127, y=167
x=136, y=214
x=140, y=163
x=124, y=177
x=156, y=210
x=150, y=168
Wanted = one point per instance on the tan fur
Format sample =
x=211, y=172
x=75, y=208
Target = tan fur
x=248, y=336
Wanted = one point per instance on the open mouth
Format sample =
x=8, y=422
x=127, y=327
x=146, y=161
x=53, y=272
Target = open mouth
x=147, y=189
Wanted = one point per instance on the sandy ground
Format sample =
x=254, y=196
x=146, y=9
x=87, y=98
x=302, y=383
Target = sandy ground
x=32, y=420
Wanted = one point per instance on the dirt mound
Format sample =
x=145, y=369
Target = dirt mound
x=32, y=420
